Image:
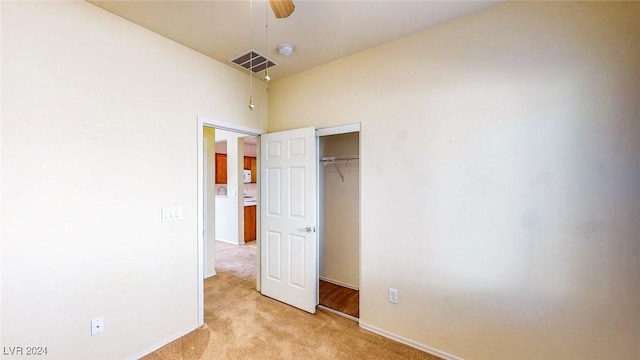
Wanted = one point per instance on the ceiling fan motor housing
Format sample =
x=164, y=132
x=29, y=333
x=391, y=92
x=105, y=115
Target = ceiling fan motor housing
x=282, y=8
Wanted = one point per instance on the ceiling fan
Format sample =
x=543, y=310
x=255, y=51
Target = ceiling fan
x=282, y=8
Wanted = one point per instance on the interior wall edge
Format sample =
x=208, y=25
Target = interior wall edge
x=164, y=342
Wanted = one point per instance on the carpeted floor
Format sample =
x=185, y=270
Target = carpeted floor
x=242, y=324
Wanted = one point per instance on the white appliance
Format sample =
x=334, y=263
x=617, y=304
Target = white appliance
x=247, y=176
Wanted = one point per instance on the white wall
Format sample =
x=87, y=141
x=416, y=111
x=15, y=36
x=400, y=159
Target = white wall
x=250, y=150
x=340, y=204
x=230, y=208
x=221, y=147
x=1, y=167
x=506, y=208
x=229, y=219
x=98, y=133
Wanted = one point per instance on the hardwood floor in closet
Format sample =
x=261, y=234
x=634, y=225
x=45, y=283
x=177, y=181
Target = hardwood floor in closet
x=342, y=299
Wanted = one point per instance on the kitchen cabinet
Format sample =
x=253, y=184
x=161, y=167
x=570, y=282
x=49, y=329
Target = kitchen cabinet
x=221, y=168
x=249, y=223
x=254, y=170
x=250, y=163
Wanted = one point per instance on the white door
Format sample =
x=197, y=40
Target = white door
x=289, y=245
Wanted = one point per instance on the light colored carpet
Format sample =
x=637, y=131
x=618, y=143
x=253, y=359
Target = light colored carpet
x=242, y=324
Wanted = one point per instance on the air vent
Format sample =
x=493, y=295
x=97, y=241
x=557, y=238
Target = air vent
x=259, y=62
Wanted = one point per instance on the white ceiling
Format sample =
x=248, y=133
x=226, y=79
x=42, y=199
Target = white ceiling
x=320, y=31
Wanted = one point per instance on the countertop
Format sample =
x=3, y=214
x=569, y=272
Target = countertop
x=248, y=200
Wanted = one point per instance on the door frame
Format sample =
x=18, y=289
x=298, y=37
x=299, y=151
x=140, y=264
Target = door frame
x=337, y=130
x=203, y=122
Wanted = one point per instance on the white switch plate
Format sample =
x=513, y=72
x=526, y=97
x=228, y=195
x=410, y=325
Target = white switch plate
x=97, y=325
x=393, y=295
x=171, y=213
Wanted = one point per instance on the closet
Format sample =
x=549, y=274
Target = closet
x=339, y=232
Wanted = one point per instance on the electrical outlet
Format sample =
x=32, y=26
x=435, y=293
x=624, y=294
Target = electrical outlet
x=97, y=325
x=393, y=295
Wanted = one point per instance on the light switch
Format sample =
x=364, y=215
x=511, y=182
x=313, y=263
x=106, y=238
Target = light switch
x=171, y=213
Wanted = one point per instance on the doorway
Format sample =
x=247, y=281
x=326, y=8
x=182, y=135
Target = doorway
x=208, y=189
x=296, y=149
x=235, y=169
x=339, y=232
x=231, y=174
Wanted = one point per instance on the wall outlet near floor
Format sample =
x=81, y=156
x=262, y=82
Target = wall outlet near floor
x=97, y=325
x=393, y=295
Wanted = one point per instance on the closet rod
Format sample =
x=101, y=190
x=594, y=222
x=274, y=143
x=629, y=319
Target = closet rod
x=332, y=159
x=339, y=158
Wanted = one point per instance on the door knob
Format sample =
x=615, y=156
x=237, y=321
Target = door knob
x=307, y=229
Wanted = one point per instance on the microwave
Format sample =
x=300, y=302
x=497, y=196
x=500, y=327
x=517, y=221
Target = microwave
x=247, y=176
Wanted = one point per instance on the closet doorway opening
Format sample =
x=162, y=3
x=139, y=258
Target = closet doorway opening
x=339, y=223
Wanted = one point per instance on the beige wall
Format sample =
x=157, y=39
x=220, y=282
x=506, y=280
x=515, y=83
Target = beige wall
x=340, y=209
x=500, y=178
x=98, y=133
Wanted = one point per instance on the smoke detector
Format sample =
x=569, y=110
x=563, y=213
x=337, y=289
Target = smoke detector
x=285, y=49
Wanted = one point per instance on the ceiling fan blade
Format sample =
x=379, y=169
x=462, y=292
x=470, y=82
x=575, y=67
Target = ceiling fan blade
x=282, y=8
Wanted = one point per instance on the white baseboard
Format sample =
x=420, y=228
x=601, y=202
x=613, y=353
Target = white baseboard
x=227, y=241
x=411, y=343
x=164, y=342
x=339, y=283
x=338, y=313
x=213, y=273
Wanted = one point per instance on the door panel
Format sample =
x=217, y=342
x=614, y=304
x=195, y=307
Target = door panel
x=274, y=246
x=288, y=218
x=274, y=186
x=297, y=265
x=296, y=187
